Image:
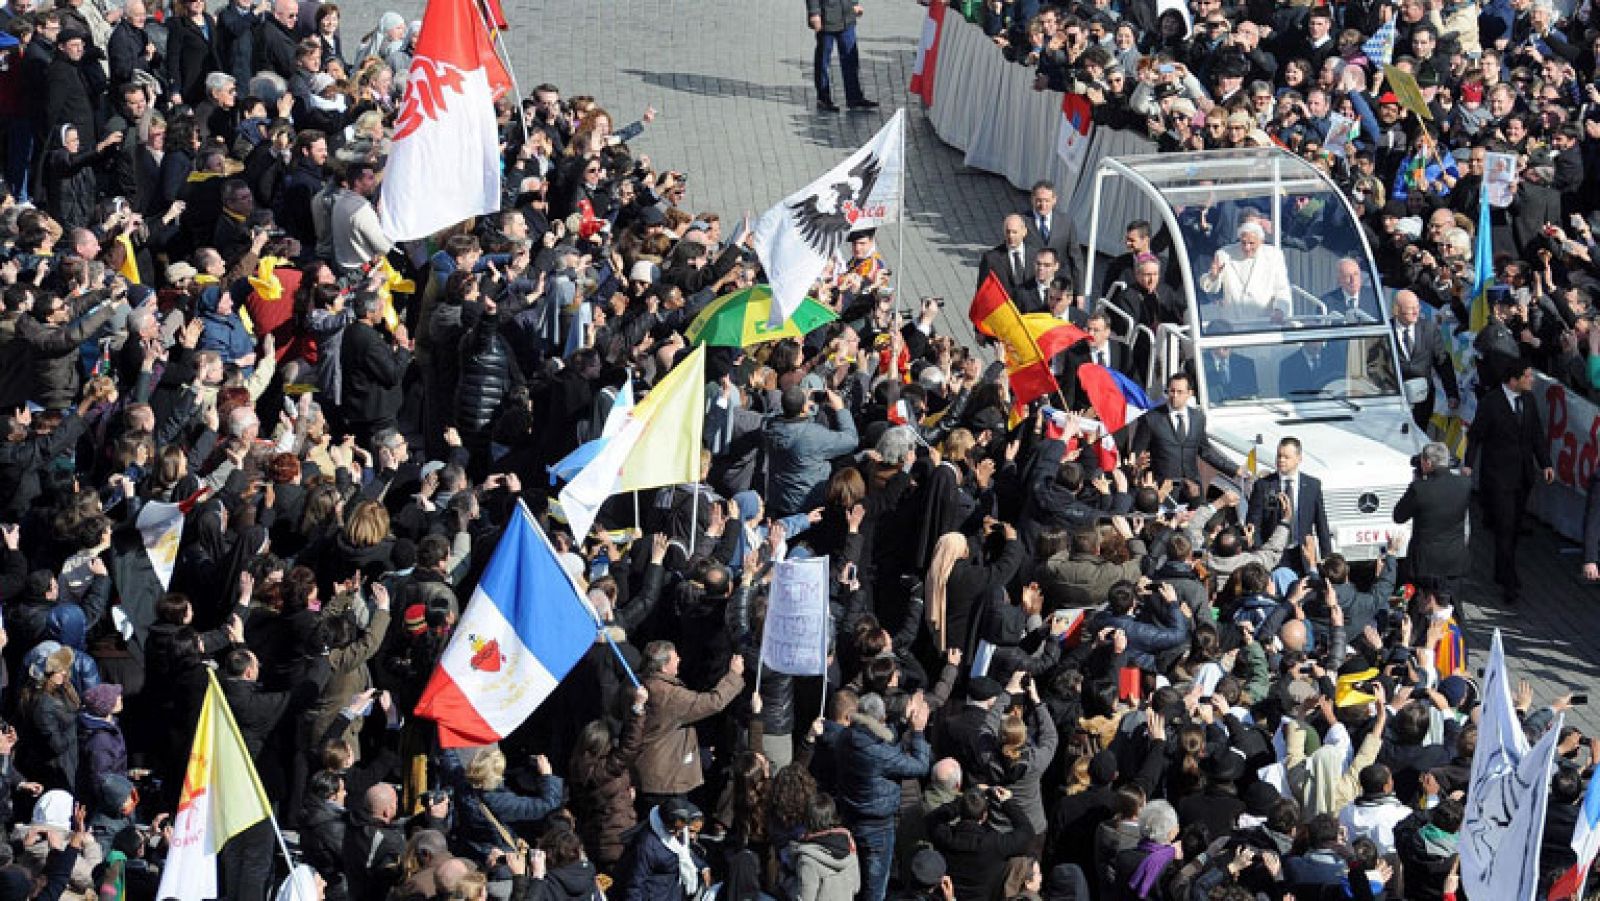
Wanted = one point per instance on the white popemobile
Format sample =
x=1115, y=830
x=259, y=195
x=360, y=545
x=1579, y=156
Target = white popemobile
x=1286, y=330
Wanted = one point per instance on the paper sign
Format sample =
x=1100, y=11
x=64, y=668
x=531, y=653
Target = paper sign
x=795, y=638
x=1499, y=173
x=1341, y=132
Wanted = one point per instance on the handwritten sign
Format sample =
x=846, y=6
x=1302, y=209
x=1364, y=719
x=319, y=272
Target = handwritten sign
x=795, y=638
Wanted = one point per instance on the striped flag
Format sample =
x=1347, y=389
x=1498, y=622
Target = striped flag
x=1585, y=843
x=1030, y=341
x=523, y=631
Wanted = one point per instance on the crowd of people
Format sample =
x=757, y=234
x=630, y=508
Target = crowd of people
x=1052, y=674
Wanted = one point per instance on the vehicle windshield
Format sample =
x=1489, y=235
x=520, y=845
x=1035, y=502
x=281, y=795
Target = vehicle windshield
x=1333, y=369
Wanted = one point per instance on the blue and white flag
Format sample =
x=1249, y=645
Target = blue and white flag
x=1379, y=49
x=564, y=469
x=525, y=628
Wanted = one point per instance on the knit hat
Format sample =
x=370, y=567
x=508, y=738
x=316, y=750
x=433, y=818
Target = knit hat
x=416, y=619
x=1455, y=689
x=1225, y=766
x=927, y=868
x=179, y=271
x=1103, y=767
x=1471, y=93
x=100, y=700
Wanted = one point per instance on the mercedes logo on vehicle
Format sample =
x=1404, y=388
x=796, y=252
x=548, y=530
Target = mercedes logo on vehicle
x=1367, y=503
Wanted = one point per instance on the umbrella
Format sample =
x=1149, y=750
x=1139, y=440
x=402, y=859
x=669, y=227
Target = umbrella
x=740, y=319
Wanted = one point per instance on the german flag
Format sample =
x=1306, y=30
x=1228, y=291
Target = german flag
x=1030, y=340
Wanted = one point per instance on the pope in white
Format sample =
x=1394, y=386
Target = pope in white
x=1251, y=277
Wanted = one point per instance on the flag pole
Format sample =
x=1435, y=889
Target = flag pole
x=900, y=217
x=599, y=624
x=504, y=55
x=233, y=725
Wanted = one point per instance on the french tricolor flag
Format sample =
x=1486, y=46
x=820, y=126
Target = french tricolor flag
x=1116, y=399
x=1585, y=843
x=524, y=629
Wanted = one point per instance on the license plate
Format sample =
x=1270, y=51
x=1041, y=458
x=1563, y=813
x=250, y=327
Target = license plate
x=1354, y=536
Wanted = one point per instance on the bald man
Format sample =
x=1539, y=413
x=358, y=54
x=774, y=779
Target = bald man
x=1012, y=261
x=1423, y=355
x=373, y=844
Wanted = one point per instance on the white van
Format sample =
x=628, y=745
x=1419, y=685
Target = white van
x=1290, y=337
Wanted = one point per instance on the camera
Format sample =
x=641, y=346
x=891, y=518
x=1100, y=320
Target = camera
x=431, y=798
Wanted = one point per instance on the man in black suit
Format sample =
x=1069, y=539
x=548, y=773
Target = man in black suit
x=1351, y=299
x=1568, y=181
x=1175, y=436
x=1034, y=295
x=1305, y=500
x=1097, y=348
x=1437, y=501
x=1422, y=354
x=1309, y=369
x=1012, y=261
x=1048, y=228
x=1147, y=299
x=1508, y=444
x=1230, y=376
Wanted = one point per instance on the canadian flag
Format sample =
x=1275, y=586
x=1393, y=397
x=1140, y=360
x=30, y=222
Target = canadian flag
x=445, y=162
x=926, y=65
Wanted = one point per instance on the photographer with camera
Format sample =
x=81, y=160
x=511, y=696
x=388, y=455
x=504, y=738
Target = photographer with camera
x=976, y=848
x=1436, y=503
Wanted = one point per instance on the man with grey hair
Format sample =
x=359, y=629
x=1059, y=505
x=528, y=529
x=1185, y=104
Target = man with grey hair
x=872, y=761
x=1436, y=503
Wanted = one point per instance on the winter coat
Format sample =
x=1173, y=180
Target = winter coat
x=348, y=676
x=487, y=375
x=275, y=48
x=799, y=460
x=70, y=99
x=371, y=372
x=650, y=871
x=872, y=763
x=191, y=56
x=104, y=750
x=1084, y=580
x=372, y=851
x=224, y=334
x=1022, y=775
x=53, y=760
x=669, y=761
x=976, y=853
x=322, y=828
x=573, y=882
x=518, y=814
x=602, y=794
x=70, y=185
x=54, y=352
x=826, y=867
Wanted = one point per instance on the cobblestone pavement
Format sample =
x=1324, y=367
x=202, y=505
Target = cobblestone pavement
x=732, y=84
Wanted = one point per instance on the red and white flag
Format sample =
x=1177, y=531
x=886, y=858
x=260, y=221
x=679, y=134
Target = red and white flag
x=1077, y=124
x=927, y=63
x=445, y=162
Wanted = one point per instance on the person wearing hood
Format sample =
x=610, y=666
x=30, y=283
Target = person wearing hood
x=49, y=712
x=65, y=851
x=872, y=762
x=390, y=42
x=69, y=174
x=105, y=753
x=224, y=330
x=67, y=625
x=112, y=808
x=825, y=862
x=662, y=863
x=961, y=585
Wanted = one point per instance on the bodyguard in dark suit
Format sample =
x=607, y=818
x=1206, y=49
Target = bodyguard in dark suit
x=1012, y=261
x=1422, y=354
x=1305, y=500
x=1436, y=502
x=1230, y=375
x=1052, y=229
x=1100, y=349
x=1507, y=443
x=1310, y=368
x=1033, y=296
x=1175, y=437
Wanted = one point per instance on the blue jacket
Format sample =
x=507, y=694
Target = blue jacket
x=652, y=868
x=224, y=334
x=1146, y=640
x=871, y=766
x=476, y=833
x=799, y=460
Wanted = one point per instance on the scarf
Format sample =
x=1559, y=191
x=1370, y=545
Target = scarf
x=950, y=549
x=1148, y=873
x=688, y=873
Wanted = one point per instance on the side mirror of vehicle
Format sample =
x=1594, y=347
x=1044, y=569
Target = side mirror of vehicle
x=1416, y=391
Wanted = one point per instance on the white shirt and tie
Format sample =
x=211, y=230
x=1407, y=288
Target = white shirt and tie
x=1100, y=356
x=1291, y=486
x=1180, y=425
x=1408, y=339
